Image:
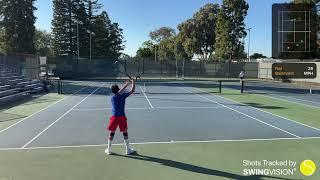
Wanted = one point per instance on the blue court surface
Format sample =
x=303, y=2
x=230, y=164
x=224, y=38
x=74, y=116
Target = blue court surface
x=160, y=112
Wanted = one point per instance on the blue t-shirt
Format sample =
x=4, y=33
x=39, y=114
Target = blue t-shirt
x=118, y=102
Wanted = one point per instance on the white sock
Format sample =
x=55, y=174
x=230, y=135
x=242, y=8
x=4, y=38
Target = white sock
x=109, y=144
x=126, y=143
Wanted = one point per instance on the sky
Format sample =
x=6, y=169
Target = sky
x=138, y=17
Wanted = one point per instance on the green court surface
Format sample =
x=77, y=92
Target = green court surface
x=18, y=111
x=297, y=112
x=215, y=160
x=15, y=112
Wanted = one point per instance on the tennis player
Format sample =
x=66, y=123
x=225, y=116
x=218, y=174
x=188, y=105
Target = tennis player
x=118, y=117
x=241, y=75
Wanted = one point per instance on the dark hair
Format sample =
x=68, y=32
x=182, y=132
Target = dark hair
x=115, y=89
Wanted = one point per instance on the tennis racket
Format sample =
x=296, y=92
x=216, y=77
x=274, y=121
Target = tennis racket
x=126, y=73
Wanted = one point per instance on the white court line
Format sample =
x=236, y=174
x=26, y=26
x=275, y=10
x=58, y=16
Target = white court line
x=300, y=99
x=146, y=97
x=34, y=138
x=104, y=109
x=160, y=142
x=169, y=107
x=40, y=111
x=267, y=112
x=199, y=107
x=243, y=114
x=269, y=96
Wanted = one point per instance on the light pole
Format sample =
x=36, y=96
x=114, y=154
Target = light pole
x=249, y=29
x=91, y=34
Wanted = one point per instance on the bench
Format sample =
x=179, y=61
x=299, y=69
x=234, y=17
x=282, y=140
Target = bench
x=8, y=92
x=4, y=87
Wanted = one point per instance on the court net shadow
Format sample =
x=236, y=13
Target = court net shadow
x=261, y=106
x=194, y=168
x=10, y=117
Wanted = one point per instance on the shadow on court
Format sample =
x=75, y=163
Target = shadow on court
x=261, y=106
x=194, y=168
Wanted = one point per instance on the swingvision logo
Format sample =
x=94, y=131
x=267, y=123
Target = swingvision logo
x=278, y=167
x=308, y=167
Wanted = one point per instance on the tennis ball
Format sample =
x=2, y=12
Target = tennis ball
x=307, y=167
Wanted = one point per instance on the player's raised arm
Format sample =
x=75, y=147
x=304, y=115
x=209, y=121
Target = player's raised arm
x=133, y=87
x=124, y=87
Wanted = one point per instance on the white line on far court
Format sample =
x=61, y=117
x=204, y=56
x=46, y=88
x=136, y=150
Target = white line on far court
x=40, y=111
x=244, y=114
x=169, y=107
x=285, y=98
x=34, y=138
x=146, y=97
x=161, y=142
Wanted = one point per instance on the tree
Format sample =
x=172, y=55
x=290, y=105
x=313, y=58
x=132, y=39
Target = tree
x=116, y=38
x=230, y=29
x=62, y=30
x=257, y=56
x=108, y=40
x=43, y=43
x=2, y=45
x=17, y=21
x=147, y=50
x=144, y=52
x=92, y=8
x=199, y=32
x=161, y=34
x=166, y=49
x=179, y=51
x=102, y=29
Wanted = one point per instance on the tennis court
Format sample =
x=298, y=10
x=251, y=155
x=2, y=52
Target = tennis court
x=164, y=112
x=168, y=113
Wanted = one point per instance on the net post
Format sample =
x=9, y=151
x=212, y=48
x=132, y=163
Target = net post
x=220, y=85
x=59, y=86
x=242, y=86
x=144, y=87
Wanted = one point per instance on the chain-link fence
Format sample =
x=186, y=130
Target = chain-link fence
x=110, y=68
x=21, y=64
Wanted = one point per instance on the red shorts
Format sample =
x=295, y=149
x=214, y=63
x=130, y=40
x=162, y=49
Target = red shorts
x=116, y=121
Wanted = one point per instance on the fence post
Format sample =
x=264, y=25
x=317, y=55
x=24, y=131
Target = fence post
x=125, y=65
x=143, y=66
x=161, y=68
x=199, y=67
x=177, y=76
x=183, y=69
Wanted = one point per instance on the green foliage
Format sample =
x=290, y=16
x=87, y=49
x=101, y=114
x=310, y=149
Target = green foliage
x=257, y=56
x=199, y=32
x=178, y=48
x=161, y=34
x=72, y=16
x=43, y=43
x=166, y=49
x=144, y=52
x=17, y=26
x=108, y=37
x=2, y=43
x=230, y=29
